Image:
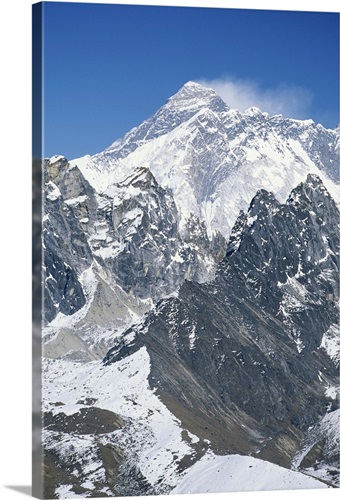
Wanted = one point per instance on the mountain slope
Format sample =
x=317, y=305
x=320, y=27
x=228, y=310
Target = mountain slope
x=235, y=366
x=239, y=360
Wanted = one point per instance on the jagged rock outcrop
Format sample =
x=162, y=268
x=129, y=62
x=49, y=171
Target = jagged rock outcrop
x=69, y=207
x=130, y=234
x=243, y=352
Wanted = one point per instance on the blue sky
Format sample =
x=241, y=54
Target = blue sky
x=109, y=67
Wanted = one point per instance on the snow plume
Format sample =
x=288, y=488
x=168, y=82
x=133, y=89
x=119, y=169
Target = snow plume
x=288, y=100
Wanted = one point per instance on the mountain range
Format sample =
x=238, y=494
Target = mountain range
x=191, y=306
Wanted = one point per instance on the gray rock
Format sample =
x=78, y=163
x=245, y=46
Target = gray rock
x=239, y=359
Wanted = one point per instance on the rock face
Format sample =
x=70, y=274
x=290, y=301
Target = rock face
x=190, y=295
x=69, y=205
x=245, y=348
x=142, y=248
x=130, y=233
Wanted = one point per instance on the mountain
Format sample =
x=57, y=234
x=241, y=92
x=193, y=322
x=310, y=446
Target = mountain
x=254, y=362
x=204, y=163
x=190, y=306
x=214, y=159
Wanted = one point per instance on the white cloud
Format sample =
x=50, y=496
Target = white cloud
x=288, y=100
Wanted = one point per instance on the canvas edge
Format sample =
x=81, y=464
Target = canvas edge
x=37, y=159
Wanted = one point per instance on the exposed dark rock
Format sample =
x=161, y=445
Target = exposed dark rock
x=313, y=455
x=238, y=360
x=86, y=421
x=66, y=250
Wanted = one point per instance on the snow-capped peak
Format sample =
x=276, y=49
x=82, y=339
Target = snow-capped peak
x=254, y=111
x=193, y=88
x=220, y=156
x=57, y=158
x=144, y=225
x=196, y=94
x=192, y=98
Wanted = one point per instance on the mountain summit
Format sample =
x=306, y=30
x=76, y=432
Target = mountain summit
x=196, y=96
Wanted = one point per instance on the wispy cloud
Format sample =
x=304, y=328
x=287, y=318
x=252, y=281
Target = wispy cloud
x=288, y=100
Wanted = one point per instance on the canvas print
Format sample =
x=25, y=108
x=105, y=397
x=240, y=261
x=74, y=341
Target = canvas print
x=188, y=219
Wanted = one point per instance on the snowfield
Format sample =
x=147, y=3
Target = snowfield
x=123, y=388
x=217, y=474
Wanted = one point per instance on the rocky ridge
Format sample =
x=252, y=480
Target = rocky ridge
x=255, y=362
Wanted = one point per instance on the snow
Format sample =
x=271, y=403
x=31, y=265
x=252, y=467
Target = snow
x=192, y=337
x=133, y=214
x=124, y=389
x=332, y=392
x=178, y=258
x=252, y=155
x=299, y=345
x=294, y=297
x=75, y=201
x=214, y=474
x=54, y=192
x=194, y=439
x=119, y=195
x=324, y=472
x=169, y=169
x=326, y=430
x=251, y=220
x=88, y=484
x=331, y=343
x=108, y=252
x=80, y=451
x=89, y=285
x=64, y=491
x=90, y=332
x=253, y=111
x=56, y=158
